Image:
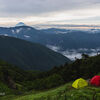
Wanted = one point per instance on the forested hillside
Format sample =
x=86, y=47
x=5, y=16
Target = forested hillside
x=85, y=68
x=29, y=55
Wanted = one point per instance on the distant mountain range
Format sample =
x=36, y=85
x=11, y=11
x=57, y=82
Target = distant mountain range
x=66, y=39
x=29, y=55
x=63, y=39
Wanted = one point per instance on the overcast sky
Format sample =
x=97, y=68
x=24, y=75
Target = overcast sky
x=49, y=11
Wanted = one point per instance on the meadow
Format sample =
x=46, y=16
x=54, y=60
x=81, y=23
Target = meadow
x=65, y=92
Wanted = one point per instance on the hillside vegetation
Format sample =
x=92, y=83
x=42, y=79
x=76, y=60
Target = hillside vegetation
x=32, y=85
x=65, y=92
x=29, y=56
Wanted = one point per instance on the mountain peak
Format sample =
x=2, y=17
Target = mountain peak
x=20, y=24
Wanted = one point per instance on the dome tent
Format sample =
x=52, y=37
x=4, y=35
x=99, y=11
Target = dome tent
x=95, y=81
x=79, y=83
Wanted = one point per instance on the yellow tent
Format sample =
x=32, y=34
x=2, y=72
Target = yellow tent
x=79, y=83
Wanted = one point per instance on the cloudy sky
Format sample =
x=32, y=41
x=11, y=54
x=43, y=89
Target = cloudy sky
x=49, y=11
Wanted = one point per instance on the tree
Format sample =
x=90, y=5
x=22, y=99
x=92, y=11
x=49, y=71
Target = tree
x=85, y=56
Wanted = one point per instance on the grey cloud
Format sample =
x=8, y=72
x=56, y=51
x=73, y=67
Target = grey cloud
x=35, y=7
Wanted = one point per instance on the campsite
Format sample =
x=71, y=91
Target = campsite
x=49, y=49
x=78, y=89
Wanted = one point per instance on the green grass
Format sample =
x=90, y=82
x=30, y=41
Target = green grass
x=65, y=92
x=4, y=89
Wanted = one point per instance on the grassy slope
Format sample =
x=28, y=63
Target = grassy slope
x=65, y=92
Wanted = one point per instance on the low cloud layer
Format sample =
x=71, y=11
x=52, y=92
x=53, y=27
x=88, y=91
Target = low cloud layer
x=75, y=53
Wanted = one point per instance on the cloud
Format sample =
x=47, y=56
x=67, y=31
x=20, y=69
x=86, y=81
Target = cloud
x=75, y=53
x=49, y=10
x=34, y=7
x=54, y=48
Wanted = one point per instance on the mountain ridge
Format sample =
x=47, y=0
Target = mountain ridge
x=68, y=41
x=29, y=55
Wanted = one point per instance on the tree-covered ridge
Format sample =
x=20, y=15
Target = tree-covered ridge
x=29, y=55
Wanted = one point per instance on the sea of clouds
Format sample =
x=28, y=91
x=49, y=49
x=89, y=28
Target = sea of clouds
x=75, y=53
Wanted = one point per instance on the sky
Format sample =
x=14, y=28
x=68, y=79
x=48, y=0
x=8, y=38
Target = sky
x=49, y=12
